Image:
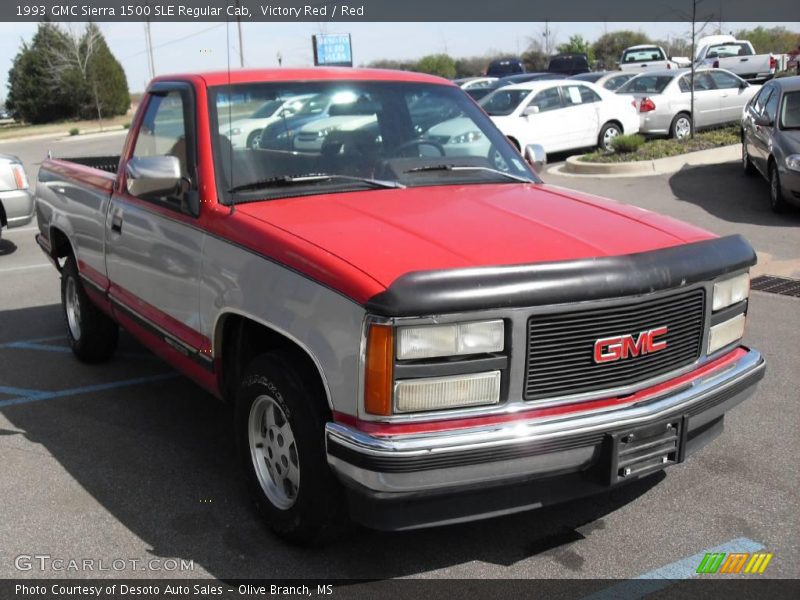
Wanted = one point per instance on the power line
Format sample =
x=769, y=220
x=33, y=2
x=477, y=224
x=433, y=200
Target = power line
x=176, y=40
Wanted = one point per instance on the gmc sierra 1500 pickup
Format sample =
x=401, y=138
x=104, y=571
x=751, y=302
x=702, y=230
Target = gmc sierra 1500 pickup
x=411, y=326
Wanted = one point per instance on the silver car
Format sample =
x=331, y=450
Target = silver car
x=16, y=200
x=663, y=100
x=610, y=80
x=771, y=140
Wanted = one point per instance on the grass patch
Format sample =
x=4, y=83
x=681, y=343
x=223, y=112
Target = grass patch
x=14, y=129
x=627, y=143
x=653, y=149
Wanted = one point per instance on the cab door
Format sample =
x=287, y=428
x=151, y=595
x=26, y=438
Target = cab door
x=581, y=114
x=546, y=125
x=154, y=246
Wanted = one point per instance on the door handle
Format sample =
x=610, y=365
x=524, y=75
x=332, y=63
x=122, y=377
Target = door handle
x=116, y=223
x=743, y=59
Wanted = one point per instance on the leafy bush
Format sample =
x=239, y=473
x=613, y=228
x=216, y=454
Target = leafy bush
x=74, y=131
x=627, y=143
x=126, y=125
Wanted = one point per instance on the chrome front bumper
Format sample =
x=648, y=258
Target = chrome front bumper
x=413, y=465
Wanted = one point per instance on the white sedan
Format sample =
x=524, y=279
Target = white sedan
x=245, y=132
x=560, y=114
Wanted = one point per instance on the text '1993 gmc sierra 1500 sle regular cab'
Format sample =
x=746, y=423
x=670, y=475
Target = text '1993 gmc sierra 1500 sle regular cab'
x=412, y=327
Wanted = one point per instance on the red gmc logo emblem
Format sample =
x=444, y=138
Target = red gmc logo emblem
x=621, y=347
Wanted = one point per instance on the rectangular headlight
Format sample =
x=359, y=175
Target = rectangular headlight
x=731, y=291
x=725, y=333
x=452, y=339
x=439, y=393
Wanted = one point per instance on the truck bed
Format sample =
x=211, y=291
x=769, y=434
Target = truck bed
x=109, y=164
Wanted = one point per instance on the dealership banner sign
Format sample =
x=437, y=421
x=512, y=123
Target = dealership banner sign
x=392, y=10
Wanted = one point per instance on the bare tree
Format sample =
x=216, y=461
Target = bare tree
x=73, y=57
x=696, y=31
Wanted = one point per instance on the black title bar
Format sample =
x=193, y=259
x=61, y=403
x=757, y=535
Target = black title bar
x=395, y=10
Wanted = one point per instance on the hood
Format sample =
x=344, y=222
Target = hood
x=388, y=233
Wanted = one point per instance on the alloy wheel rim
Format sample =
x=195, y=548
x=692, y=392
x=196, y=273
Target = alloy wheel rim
x=273, y=449
x=608, y=137
x=73, y=308
x=682, y=128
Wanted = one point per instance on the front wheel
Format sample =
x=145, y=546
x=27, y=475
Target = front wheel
x=253, y=139
x=681, y=127
x=608, y=134
x=280, y=433
x=747, y=164
x=91, y=333
x=776, y=199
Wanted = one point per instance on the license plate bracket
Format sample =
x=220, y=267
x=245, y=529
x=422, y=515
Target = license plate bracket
x=643, y=450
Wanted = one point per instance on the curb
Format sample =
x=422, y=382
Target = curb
x=576, y=168
x=65, y=134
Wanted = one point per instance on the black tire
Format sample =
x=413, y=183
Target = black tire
x=607, y=134
x=253, y=139
x=747, y=164
x=315, y=509
x=94, y=339
x=776, y=200
x=677, y=129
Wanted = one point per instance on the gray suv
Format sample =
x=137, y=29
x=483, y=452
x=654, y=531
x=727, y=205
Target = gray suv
x=16, y=200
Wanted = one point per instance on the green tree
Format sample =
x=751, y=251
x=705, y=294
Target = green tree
x=778, y=40
x=437, y=64
x=32, y=97
x=608, y=47
x=535, y=58
x=577, y=45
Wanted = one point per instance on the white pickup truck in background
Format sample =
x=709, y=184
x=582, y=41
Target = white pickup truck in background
x=738, y=56
x=647, y=57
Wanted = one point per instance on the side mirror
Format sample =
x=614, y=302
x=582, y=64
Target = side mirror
x=530, y=110
x=153, y=176
x=744, y=85
x=763, y=121
x=535, y=156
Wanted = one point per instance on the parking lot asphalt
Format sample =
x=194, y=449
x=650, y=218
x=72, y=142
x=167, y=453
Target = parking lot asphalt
x=129, y=461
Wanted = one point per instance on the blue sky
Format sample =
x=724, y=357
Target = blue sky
x=202, y=46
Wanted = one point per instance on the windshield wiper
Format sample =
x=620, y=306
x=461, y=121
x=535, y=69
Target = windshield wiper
x=287, y=180
x=469, y=168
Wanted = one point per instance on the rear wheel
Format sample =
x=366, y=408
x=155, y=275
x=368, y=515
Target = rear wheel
x=776, y=200
x=91, y=333
x=280, y=432
x=681, y=127
x=608, y=134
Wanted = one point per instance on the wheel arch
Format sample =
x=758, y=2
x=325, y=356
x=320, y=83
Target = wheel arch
x=239, y=337
x=3, y=218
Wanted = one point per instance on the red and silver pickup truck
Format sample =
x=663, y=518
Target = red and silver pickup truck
x=411, y=326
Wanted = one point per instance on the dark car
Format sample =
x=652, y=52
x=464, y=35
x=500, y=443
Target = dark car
x=771, y=139
x=479, y=93
x=505, y=66
x=280, y=134
x=569, y=64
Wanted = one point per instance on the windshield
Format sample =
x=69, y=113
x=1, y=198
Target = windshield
x=646, y=84
x=503, y=101
x=353, y=135
x=790, y=111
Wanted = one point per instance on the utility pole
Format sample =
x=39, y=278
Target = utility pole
x=149, y=43
x=239, y=25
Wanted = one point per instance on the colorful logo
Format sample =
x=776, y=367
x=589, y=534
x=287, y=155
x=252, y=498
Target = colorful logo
x=734, y=562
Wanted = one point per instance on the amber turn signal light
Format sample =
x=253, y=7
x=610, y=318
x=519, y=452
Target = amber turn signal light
x=378, y=375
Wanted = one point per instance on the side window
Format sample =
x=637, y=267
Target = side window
x=614, y=82
x=163, y=130
x=683, y=83
x=589, y=95
x=771, y=107
x=762, y=98
x=548, y=99
x=703, y=82
x=725, y=80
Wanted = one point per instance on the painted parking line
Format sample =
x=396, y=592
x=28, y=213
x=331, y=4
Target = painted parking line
x=32, y=341
x=26, y=267
x=37, y=344
x=38, y=395
x=665, y=576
